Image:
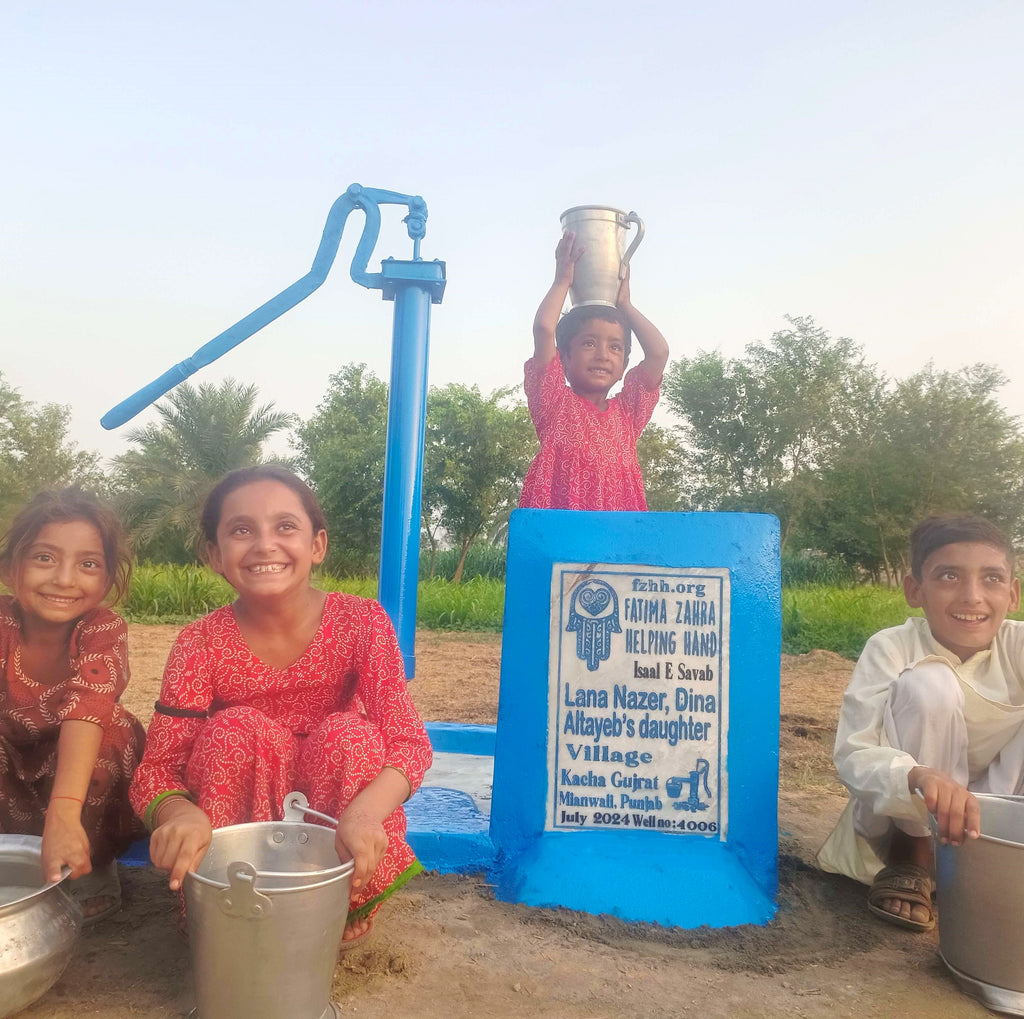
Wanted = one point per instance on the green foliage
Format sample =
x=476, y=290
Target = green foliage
x=757, y=428
x=203, y=433
x=838, y=619
x=803, y=428
x=663, y=459
x=807, y=570
x=341, y=452
x=179, y=594
x=476, y=604
x=936, y=443
x=477, y=452
x=477, y=449
x=841, y=619
x=832, y=618
x=364, y=587
x=482, y=560
x=35, y=453
x=174, y=593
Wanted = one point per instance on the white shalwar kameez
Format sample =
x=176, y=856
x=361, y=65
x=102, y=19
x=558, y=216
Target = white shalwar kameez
x=912, y=702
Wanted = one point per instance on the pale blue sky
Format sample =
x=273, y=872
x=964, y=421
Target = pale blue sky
x=168, y=169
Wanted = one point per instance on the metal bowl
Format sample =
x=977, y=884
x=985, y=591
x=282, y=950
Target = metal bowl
x=39, y=925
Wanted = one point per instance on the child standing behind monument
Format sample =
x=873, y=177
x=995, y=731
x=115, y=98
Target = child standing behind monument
x=936, y=707
x=587, y=457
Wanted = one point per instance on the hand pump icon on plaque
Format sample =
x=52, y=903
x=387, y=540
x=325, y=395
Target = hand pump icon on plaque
x=674, y=788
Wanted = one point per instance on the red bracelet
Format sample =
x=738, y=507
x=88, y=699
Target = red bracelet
x=75, y=798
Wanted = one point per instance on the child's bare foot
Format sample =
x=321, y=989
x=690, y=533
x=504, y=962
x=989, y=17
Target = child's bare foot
x=355, y=932
x=97, y=893
x=99, y=906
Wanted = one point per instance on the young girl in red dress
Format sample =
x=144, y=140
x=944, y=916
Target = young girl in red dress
x=587, y=457
x=286, y=689
x=67, y=747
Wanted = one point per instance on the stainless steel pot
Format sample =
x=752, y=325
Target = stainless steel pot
x=601, y=231
x=266, y=910
x=39, y=924
x=980, y=891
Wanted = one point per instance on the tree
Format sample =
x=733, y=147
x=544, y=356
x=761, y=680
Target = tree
x=202, y=434
x=936, y=442
x=758, y=429
x=341, y=452
x=35, y=452
x=663, y=461
x=477, y=451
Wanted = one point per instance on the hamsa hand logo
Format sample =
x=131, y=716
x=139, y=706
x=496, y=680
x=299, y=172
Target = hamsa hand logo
x=594, y=616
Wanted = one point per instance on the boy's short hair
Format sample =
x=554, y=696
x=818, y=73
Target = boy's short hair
x=936, y=532
x=571, y=324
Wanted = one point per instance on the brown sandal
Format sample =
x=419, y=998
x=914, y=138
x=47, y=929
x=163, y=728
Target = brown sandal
x=909, y=883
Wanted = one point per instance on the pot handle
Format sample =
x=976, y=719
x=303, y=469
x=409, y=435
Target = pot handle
x=296, y=807
x=240, y=898
x=631, y=218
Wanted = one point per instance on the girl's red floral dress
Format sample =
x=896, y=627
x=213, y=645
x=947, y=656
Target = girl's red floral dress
x=237, y=735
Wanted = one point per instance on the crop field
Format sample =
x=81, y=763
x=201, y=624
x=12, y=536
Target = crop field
x=832, y=618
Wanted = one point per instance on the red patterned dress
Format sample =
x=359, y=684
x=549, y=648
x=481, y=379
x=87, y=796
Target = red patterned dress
x=30, y=719
x=587, y=458
x=324, y=726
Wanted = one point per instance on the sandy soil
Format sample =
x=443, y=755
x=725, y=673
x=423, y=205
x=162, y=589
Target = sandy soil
x=444, y=948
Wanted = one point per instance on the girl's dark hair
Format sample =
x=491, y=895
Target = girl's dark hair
x=936, y=532
x=62, y=506
x=571, y=324
x=214, y=505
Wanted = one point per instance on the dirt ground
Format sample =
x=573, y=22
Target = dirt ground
x=445, y=948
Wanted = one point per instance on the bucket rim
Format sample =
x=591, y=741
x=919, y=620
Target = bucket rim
x=997, y=840
x=18, y=848
x=597, y=208
x=322, y=875
x=336, y=875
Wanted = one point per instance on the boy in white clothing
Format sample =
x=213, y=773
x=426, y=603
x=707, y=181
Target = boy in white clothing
x=934, y=706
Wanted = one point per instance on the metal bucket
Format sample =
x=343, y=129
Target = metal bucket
x=266, y=910
x=601, y=232
x=39, y=924
x=980, y=889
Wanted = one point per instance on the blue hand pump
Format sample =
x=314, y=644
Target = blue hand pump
x=413, y=285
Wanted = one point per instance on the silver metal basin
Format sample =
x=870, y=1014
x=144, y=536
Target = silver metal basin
x=39, y=925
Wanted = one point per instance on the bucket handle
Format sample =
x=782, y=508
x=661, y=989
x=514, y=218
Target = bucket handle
x=296, y=807
x=624, y=264
x=1013, y=797
x=240, y=898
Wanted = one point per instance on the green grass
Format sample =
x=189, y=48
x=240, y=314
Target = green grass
x=840, y=619
x=476, y=604
x=834, y=618
x=179, y=594
x=173, y=594
x=483, y=560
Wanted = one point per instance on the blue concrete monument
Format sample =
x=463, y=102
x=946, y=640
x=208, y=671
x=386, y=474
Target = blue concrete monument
x=636, y=755
x=635, y=761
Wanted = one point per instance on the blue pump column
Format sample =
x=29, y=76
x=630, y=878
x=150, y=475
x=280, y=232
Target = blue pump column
x=413, y=286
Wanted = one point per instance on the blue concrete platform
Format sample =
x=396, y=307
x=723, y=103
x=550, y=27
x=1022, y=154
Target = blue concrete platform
x=449, y=816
